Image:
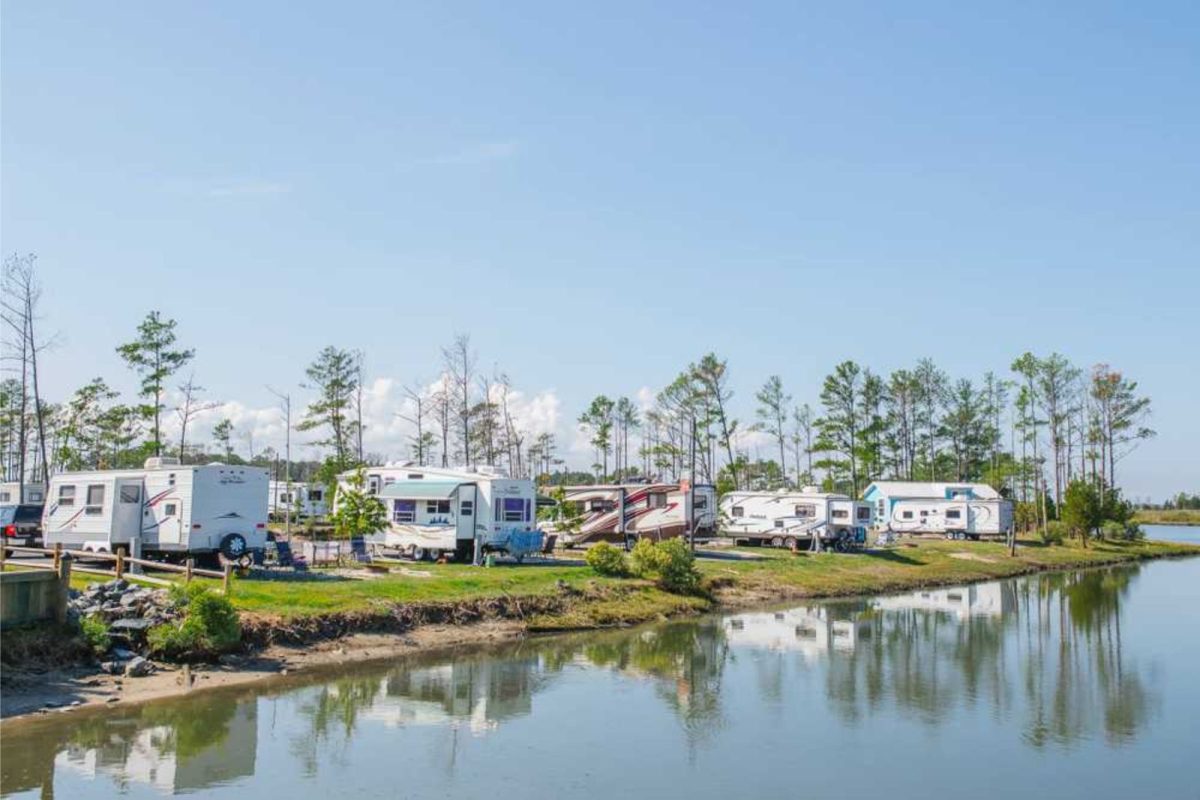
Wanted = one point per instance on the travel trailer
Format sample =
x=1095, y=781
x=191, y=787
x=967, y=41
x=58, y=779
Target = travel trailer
x=793, y=519
x=10, y=493
x=443, y=511
x=651, y=510
x=301, y=499
x=958, y=510
x=165, y=507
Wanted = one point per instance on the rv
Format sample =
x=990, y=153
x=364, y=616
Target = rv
x=10, y=493
x=436, y=511
x=165, y=507
x=789, y=519
x=651, y=510
x=300, y=499
x=958, y=510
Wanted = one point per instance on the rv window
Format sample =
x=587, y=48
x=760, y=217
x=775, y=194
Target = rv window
x=840, y=513
x=285, y=498
x=404, y=511
x=699, y=502
x=656, y=501
x=737, y=511
x=924, y=512
x=515, y=509
x=805, y=510
x=169, y=510
x=466, y=508
x=66, y=495
x=864, y=512
x=907, y=515
x=314, y=495
x=415, y=476
x=954, y=513
x=437, y=507
x=95, y=499
x=5, y=497
x=373, y=484
x=131, y=494
x=35, y=497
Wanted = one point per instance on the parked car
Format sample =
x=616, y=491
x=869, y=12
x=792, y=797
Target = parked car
x=21, y=525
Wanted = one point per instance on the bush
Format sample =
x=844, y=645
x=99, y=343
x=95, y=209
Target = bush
x=95, y=633
x=1055, y=532
x=210, y=626
x=607, y=560
x=671, y=564
x=1127, y=531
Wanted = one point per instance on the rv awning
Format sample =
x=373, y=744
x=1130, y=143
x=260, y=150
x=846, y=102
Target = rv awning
x=419, y=490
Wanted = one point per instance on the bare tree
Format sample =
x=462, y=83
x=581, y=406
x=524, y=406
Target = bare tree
x=18, y=309
x=460, y=371
x=189, y=407
x=417, y=419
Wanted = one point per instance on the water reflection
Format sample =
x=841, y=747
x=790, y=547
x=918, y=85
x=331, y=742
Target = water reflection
x=1041, y=655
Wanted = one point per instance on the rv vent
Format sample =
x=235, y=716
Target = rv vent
x=158, y=462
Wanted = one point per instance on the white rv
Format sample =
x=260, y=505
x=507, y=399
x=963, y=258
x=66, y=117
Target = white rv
x=789, y=519
x=958, y=510
x=10, y=493
x=168, y=508
x=301, y=499
x=436, y=511
x=653, y=511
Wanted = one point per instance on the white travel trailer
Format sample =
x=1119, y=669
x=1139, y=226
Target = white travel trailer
x=790, y=519
x=654, y=511
x=10, y=493
x=958, y=510
x=436, y=511
x=302, y=499
x=165, y=507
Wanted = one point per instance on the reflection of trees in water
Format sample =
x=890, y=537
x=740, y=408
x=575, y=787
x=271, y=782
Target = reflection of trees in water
x=1076, y=678
x=1055, y=639
x=332, y=709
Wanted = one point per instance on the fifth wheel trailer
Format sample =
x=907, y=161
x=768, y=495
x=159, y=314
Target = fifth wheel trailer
x=165, y=507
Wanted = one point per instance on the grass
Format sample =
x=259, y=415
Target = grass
x=1168, y=516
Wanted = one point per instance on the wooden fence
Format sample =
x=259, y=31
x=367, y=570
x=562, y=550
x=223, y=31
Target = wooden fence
x=121, y=565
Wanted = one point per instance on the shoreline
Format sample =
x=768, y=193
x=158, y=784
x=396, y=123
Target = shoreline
x=324, y=641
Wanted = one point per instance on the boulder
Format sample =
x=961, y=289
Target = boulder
x=138, y=667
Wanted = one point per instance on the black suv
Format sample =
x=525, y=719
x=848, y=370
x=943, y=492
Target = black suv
x=21, y=525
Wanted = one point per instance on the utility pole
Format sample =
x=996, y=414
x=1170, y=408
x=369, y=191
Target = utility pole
x=691, y=492
x=285, y=404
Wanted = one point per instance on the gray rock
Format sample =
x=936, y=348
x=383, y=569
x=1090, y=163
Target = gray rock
x=122, y=653
x=132, y=625
x=130, y=599
x=138, y=667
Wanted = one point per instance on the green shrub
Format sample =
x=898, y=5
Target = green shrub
x=1127, y=531
x=1055, y=532
x=607, y=560
x=209, y=626
x=95, y=632
x=671, y=564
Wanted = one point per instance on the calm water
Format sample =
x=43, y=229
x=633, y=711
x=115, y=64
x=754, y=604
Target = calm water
x=1070, y=685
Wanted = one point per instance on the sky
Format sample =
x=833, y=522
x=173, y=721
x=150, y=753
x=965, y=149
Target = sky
x=601, y=193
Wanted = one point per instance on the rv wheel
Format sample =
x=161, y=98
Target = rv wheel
x=418, y=553
x=233, y=547
x=777, y=542
x=791, y=544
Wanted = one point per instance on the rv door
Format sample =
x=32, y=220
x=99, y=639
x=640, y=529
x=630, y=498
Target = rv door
x=127, y=509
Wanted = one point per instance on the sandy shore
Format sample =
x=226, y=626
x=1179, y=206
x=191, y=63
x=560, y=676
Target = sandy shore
x=28, y=695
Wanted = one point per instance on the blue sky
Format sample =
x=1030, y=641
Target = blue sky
x=601, y=195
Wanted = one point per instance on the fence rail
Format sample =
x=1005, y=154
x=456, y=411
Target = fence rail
x=188, y=570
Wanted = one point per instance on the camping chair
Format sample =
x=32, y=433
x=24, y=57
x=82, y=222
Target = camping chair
x=288, y=559
x=360, y=555
x=548, y=546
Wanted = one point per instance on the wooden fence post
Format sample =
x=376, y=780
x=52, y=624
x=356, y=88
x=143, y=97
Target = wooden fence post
x=226, y=580
x=120, y=563
x=64, y=590
x=2, y=551
x=188, y=575
x=57, y=555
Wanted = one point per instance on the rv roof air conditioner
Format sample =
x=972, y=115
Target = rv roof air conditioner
x=160, y=462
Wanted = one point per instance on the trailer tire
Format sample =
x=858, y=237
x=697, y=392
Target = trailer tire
x=233, y=547
x=419, y=553
x=777, y=541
